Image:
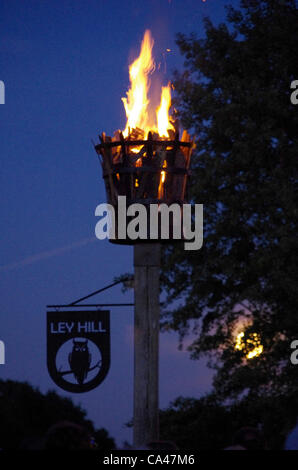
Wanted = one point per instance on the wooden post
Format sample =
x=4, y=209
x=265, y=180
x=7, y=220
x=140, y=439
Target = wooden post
x=146, y=343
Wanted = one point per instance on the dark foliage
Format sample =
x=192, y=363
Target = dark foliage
x=26, y=415
x=206, y=424
x=235, y=96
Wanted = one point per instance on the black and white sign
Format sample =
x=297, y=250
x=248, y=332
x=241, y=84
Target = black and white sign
x=78, y=348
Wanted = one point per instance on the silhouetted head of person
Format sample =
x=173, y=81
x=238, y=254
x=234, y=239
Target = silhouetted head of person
x=250, y=438
x=291, y=442
x=66, y=435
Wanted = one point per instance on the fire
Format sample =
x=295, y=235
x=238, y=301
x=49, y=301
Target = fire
x=162, y=180
x=162, y=112
x=136, y=102
x=147, y=161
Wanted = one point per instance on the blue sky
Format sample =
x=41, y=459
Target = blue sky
x=65, y=68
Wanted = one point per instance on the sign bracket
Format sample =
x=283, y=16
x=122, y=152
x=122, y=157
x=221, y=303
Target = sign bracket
x=76, y=303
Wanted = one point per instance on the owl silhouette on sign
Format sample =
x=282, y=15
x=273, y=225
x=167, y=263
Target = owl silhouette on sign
x=79, y=360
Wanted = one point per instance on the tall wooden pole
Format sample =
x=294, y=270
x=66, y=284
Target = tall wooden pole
x=146, y=343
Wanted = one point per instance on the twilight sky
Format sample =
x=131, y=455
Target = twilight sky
x=65, y=68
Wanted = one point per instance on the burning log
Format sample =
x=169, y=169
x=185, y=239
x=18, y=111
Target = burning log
x=147, y=171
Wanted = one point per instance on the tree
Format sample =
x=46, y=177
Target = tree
x=201, y=424
x=206, y=424
x=234, y=94
x=26, y=414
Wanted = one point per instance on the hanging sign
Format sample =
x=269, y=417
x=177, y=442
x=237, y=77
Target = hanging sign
x=78, y=348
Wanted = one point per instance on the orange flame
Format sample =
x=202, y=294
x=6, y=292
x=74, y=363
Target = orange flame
x=136, y=102
x=162, y=112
